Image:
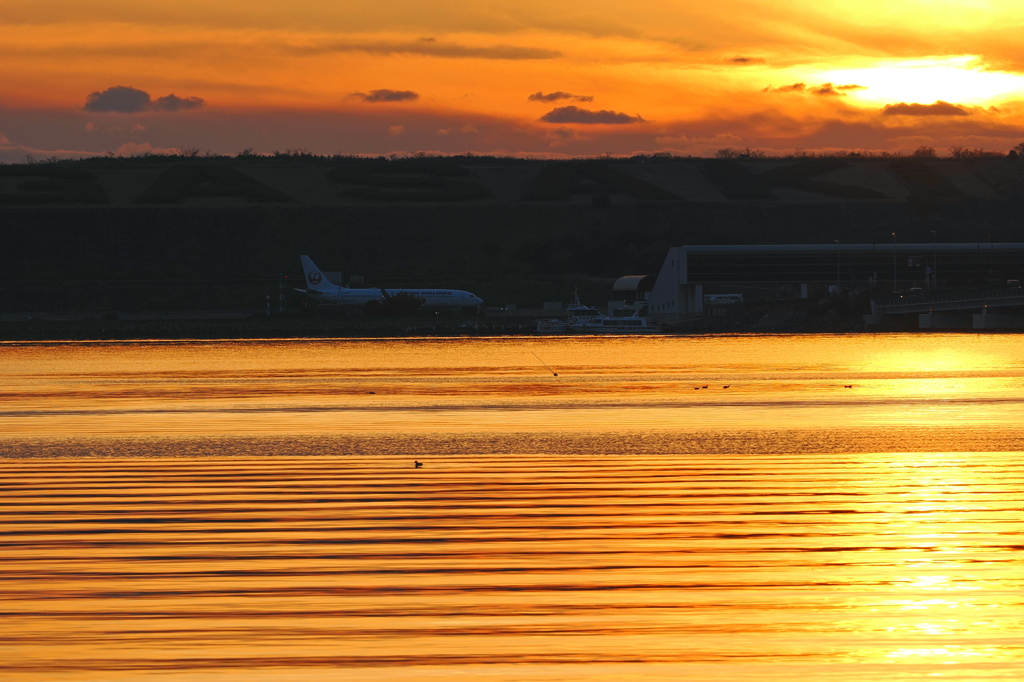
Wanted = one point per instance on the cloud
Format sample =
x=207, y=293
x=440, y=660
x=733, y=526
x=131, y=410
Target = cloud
x=430, y=47
x=124, y=99
x=558, y=95
x=466, y=128
x=23, y=154
x=573, y=114
x=836, y=90
x=744, y=61
x=860, y=130
x=386, y=95
x=120, y=98
x=144, y=148
x=795, y=87
x=174, y=103
x=825, y=89
x=16, y=153
x=939, y=108
x=701, y=143
x=367, y=130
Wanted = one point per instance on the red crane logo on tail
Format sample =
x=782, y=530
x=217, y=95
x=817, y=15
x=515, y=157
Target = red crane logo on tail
x=314, y=277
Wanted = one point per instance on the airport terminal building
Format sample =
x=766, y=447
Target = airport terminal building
x=690, y=274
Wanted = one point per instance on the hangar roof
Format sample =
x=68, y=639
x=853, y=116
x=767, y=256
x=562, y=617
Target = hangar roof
x=639, y=283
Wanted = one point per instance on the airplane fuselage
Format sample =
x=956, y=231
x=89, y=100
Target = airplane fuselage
x=432, y=298
x=321, y=290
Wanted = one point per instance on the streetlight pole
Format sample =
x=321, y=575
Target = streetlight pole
x=894, y=262
x=935, y=265
x=837, y=267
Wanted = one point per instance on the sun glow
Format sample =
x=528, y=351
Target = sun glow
x=957, y=359
x=957, y=80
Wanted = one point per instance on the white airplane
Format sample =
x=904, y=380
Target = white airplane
x=321, y=290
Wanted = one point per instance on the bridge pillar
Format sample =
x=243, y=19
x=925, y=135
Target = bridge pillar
x=987, y=320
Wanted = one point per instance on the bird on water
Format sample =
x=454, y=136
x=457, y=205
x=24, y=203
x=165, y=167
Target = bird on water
x=417, y=463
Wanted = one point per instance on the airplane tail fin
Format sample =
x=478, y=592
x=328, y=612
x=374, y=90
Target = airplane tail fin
x=315, y=280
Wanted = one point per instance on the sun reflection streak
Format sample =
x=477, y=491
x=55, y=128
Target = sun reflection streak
x=929, y=603
x=946, y=654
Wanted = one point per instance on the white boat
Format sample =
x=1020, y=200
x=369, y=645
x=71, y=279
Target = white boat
x=613, y=325
x=581, y=319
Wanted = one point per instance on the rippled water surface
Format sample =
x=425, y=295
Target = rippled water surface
x=831, y=507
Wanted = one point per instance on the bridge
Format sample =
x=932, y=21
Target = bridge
x=951, y=278
x=955, y=309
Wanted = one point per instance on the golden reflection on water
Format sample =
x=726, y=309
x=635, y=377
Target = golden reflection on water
x=541, y=567
x=611, y=522
x=438, y=386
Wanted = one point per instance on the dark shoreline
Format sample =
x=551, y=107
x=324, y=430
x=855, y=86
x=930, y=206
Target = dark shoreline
x=802, y=318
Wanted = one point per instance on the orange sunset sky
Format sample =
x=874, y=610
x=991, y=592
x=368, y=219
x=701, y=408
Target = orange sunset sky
x=530, y=77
